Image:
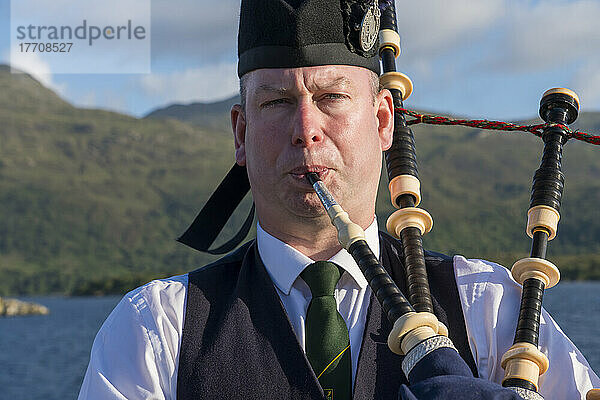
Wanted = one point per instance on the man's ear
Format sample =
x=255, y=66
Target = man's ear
x=238, y=125
x=385, y=117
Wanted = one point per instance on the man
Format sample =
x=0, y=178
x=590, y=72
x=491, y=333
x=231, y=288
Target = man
x=243, y=327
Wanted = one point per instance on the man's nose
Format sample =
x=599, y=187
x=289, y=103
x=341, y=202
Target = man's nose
x=307, y=128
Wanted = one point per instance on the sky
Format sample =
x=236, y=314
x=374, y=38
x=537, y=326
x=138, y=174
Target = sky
x=489, y=58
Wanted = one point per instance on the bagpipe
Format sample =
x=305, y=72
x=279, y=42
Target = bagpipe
x=431, y=364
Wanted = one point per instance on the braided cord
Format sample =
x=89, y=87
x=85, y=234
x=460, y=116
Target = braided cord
x=496, y=125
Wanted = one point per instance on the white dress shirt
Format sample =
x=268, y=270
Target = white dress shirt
x=136, y=352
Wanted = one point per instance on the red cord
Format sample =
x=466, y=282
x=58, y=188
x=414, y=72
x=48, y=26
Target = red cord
x=495, y=125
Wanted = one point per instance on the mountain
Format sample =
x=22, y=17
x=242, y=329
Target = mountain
x=95, y=198
x=91, y=201
x=214, y=116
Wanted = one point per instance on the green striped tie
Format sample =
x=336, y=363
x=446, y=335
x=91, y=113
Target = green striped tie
x=327, y=340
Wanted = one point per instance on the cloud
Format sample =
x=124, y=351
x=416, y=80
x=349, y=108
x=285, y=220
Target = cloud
x=587, y=85
x=554, y=38
x=434, y=26
x=198, y=30
x=209, y=83
x=500, y=35
x=550, y=34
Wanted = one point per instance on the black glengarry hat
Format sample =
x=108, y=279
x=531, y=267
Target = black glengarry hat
x=303, y=33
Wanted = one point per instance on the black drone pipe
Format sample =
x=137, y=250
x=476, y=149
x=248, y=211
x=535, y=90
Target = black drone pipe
x=401, y=163
x=524, y=362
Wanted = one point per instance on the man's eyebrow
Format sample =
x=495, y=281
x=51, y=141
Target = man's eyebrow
x=269, y=88
x=341, y=81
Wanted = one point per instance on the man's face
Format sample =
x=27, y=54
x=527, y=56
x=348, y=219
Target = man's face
x=322, y=119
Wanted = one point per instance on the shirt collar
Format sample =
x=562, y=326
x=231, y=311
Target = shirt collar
x=284, y=263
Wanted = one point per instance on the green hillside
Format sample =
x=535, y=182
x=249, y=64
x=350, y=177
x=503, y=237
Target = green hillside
x=93, y=198
x=91, y=201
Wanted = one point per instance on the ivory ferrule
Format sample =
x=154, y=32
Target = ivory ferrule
x=542, y=217
x=348, y=231
x=410, y=329
x=409, y=217
x=405, y=184
x=537, y=268
x=442, y=329
x=524, y=361
x=397, y=80
x=566, y=91
x=389, y=38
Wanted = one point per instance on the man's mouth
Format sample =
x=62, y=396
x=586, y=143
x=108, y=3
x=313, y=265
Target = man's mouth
x=300, y=172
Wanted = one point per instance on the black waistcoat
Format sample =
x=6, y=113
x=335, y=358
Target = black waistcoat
x=238, y=343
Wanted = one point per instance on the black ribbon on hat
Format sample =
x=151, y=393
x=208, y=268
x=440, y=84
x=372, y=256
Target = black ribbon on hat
x=216, y=212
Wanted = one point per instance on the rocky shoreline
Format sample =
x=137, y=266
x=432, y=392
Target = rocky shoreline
x=13, y=308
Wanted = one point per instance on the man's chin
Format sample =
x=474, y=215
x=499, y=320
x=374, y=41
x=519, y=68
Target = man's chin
x=307, y=206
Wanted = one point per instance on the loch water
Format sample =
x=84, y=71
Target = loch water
x=45, y=357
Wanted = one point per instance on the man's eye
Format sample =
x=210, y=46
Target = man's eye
x=335, y=96
x=273, y=103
